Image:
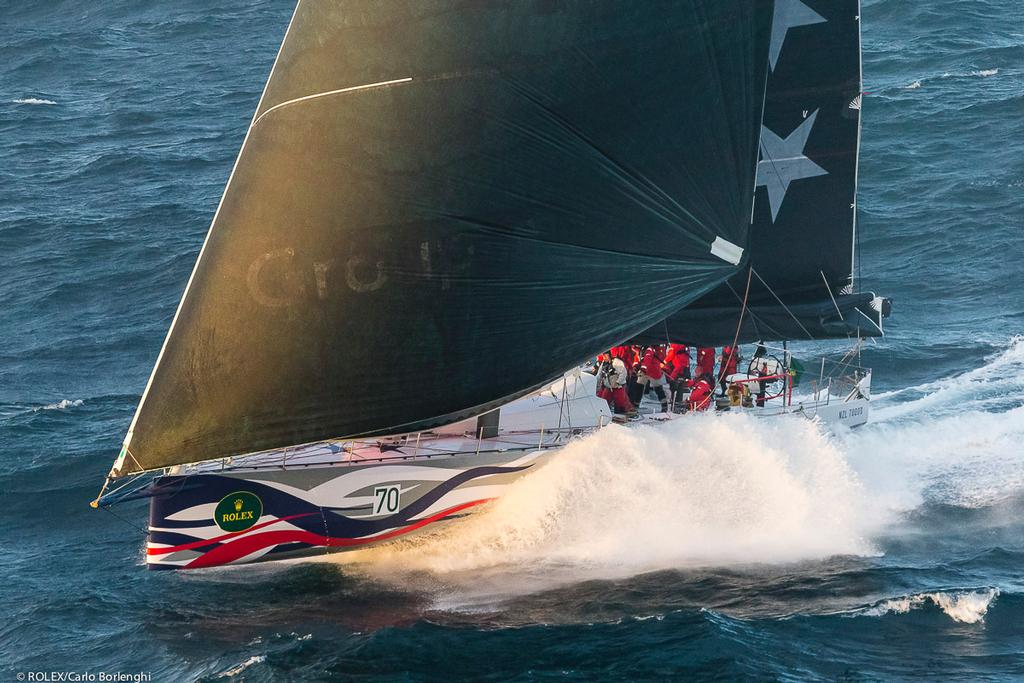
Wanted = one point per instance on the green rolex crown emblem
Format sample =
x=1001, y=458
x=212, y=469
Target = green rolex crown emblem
x=238, y=511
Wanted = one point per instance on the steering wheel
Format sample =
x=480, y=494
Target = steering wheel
x=773, y=388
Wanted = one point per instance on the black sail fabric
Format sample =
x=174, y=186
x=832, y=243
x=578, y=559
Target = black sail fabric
x=850, y=315
x=803, y=234
x=442, y=204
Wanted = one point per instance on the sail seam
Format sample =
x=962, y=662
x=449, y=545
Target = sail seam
x=328, y=93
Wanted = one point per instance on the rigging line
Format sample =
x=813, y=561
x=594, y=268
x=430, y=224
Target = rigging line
x=132, y=480
x=131, y=524
x=873, y=323
x=739, y=325
x=784, y=306
x=754, y=318
x=132, y=456
x=832, y=296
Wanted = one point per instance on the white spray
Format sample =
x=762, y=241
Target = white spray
x=704, y=490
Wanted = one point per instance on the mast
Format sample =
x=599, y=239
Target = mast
x=856, y=175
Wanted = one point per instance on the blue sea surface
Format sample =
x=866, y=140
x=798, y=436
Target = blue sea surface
x=119, y=124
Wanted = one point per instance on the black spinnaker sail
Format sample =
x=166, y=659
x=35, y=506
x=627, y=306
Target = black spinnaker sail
x=442, y=204
x=803, y=236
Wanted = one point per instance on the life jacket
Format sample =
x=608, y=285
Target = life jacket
x=615, y=375
x=730, y=359
x=705, y=360
x=651, y=364
x=678, y=359
x=700, y=396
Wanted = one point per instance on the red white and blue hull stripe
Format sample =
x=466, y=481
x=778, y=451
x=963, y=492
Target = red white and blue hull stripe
x=212, y=519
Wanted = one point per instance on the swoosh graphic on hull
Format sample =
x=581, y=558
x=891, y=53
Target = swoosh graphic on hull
x=233, y=550
x=217, y=539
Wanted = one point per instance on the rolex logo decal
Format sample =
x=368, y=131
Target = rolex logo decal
x=238, y=511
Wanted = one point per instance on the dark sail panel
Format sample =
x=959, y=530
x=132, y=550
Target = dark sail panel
x=442, y=205
x=803, y=233
x=850, y=315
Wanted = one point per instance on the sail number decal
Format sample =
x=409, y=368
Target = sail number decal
x=386, y=499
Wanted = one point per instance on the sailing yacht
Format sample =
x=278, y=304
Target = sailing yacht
x=441, y=209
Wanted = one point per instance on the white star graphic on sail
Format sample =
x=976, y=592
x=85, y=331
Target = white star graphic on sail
x=783, y=161
x=789, y=14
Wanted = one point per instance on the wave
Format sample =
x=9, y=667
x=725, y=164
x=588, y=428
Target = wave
x=966, y=607
x=1001, y=376
x=62, y=404
x=239, y=668
x=32, y=100
x=953, y=441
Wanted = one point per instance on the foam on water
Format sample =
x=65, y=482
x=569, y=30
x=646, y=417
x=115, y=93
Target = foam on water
x=61, y=404
x=954, y=441
x=32, y=100
x=707, y=490
x=239, y=668
x=967, y=607
x=999, y=380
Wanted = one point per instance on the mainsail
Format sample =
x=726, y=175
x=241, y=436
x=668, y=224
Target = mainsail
x=440, y=205
x=803, y=236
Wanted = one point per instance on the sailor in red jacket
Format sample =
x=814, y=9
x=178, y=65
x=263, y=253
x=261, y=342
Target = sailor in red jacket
x=727, y=364
x=677, y=370
x=702, y=394
x=652, y=374
x=705, y=361
x=677, y=360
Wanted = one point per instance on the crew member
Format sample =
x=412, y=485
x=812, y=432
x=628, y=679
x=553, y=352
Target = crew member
x=759, y=366
x=651, y=375
x=677, y=370
x=634, y=389
x=727, y=363
x=705, y=361
x=614, y=379
x=702, y=393
x=762, y=371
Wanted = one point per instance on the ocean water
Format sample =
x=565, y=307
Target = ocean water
x=754, y=551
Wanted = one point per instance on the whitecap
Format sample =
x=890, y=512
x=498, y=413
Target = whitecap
x=985, y=72
x=953, y=441
x=239, y=668
x=913, y=86
x=966, y=607
x=32, y=100
x=62, y=404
